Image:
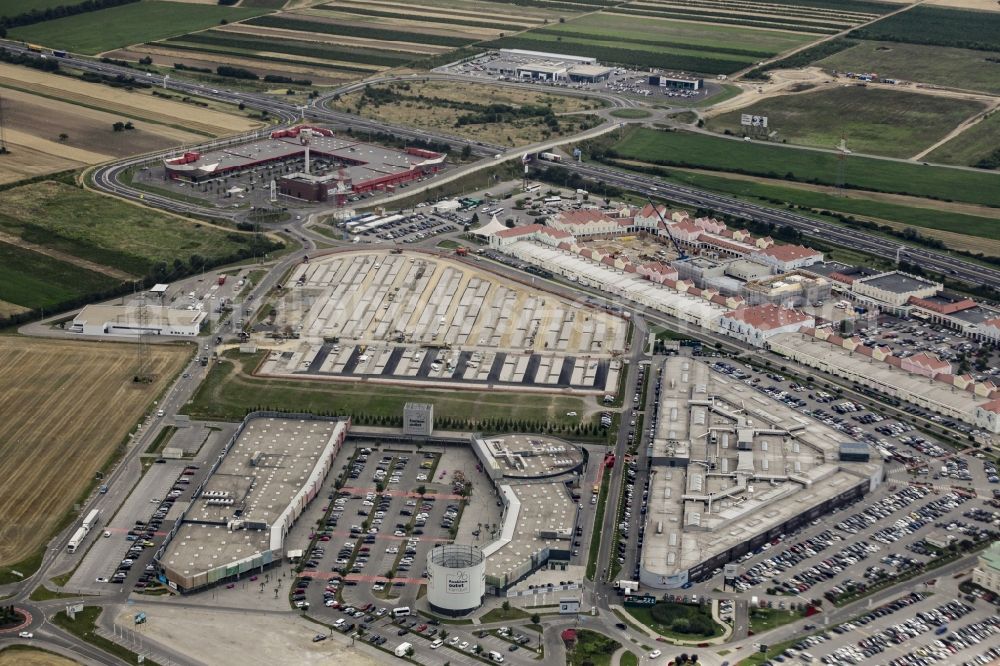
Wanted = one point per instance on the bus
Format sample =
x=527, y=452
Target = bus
x=552, y=200
x=532, y=188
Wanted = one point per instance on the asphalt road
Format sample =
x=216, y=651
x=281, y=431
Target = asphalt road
x=107, y=177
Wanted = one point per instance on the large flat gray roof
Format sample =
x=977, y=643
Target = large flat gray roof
x=752, y=463
x=897, y=283
x=267, y=466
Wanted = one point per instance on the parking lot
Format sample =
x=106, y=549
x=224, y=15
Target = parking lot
x=123, y=551
x=622, y=81
x=378, y=528
x=897, y=440
x=415, y=317
x=915, y=629
x=434, y=642
x=417, y=226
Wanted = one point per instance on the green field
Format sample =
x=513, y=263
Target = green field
x=10, y=8
x=641, y=41
x=972, y=145
x=145, y=21
x=873, y=120
x=659, y=34
x=775, y=161
x=290, y=23
x=36, y=281
x=939, y=65
x=227, y=395
x=111, y=232
x=938, y=26
x=238, y=44
x=928, y=218
x=822, y=17
x=765, y=619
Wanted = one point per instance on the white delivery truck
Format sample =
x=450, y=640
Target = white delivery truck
x=402, y=649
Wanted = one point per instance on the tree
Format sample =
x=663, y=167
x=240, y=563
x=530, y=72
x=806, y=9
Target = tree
x=536, y=618
x=63, y=136
x=466, y=152
x=118, y=126
x=506, y=606
x=421, y=490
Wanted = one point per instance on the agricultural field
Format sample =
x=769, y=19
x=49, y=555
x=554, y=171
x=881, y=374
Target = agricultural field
x=106, y=29
x=15, y=7
x=40, y=107
x=823, y=17
x=109, y=232
x=876, y=121
x=51, y=445
x=339, y=41
x=642, y=41
x=30, y=280
x=75, y=135
x=972, y=146
x=687, y=149
x=151, y=105
x=965, y=69
x=937, y=26
x=508, y=116
x=975, y=229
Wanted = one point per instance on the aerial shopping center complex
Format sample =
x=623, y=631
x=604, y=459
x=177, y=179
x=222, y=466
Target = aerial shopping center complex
x=311, y=164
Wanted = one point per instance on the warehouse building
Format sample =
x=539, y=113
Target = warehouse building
x=237, y=522
x=731, y=470
x=132, y=321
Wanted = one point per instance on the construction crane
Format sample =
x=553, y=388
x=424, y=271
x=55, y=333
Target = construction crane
x=680, y=251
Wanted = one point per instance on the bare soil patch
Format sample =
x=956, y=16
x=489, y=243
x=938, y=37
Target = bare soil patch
x=136, y=104
x=69, y=405
x=409, y=47
x=979, y=5
x=430, y=28
x=26, y=162
x=86, y=129
x=212, y=60
x=8, y=309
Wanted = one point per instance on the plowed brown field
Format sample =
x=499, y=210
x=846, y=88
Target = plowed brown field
x=66, y=406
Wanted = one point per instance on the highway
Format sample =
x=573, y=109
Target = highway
x=107, y=177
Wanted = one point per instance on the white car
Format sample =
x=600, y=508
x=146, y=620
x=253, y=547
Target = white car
x=107, y=534
x=464, y=645
x=26, y=634
x=654, y=654
x=436, y=644
x=453, y=641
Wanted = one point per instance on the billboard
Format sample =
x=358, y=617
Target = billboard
x=748, y=120
x=731, y=571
